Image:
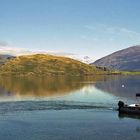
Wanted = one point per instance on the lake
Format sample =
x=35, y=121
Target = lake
x=67, y=108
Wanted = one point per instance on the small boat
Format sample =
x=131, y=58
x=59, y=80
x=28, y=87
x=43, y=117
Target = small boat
x=132, y=109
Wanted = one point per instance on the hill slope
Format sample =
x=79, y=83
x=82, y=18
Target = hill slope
x=125, y=60
x=41, y=64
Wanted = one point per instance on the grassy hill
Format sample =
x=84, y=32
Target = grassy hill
x=42, y=64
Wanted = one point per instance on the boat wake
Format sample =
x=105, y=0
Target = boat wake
x=49, y=105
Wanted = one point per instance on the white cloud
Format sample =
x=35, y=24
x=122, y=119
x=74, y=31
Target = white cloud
x=90, y=27
x=122, y=32
x=112, y=30
x=3, y=43
x=6, y=48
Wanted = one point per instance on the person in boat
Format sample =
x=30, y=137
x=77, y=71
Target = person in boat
x=129, y=109
x=121, y=104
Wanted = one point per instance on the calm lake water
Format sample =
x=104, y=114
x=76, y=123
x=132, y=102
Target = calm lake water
x=67, y=108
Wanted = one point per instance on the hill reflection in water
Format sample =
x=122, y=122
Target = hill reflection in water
x=120, y=86
x=43, y=87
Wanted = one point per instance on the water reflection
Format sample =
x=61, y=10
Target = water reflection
x=132, y=116
x=101, y=89
x=120, y=86
x=44, y=86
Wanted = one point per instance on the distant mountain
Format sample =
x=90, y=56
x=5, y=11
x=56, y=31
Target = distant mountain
x=82, y=58
x=5, y=57
x=42, y=64
x=125, y=60
x=87, y=59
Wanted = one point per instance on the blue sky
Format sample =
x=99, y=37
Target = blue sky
x=87, y=27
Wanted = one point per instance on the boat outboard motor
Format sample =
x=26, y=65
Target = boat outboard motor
x=120, y=104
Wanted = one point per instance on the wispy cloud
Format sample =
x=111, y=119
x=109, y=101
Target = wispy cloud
x=122, y=31
x=3, y=43
x=6, y=48
x=111, y=30
x=90, y=27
